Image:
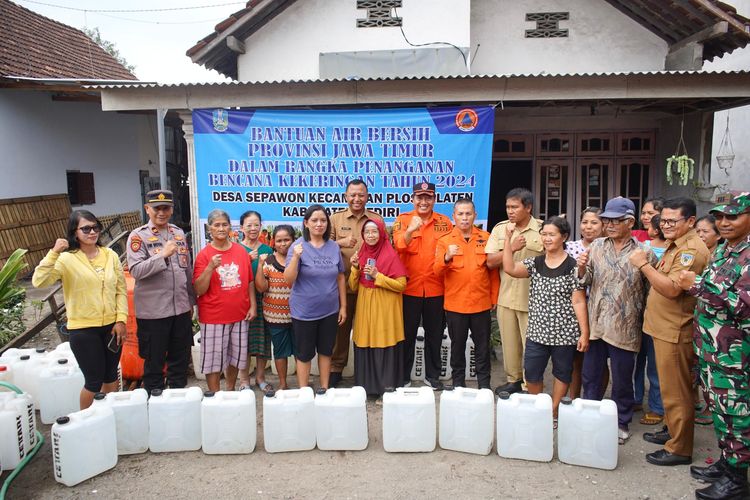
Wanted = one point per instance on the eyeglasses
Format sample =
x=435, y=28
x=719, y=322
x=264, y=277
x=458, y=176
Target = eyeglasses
x=87, y=229
x=614, y=222
x=670, y=222
x=730, y=217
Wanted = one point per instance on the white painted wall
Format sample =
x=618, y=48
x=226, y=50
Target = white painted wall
x=42, y=138
x=601, y=39
x=739, y=119
x=288, y=47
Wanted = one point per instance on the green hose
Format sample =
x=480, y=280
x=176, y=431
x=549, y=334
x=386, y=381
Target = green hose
x=28, y=457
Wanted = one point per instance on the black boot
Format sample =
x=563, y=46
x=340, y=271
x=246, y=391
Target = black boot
x=732, y=485
x=708, y=474
x=510, y=387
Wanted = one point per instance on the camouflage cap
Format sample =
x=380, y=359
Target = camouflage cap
x=732, y=203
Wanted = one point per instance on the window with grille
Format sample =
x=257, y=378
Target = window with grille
x=379, y=13
x=547, y=24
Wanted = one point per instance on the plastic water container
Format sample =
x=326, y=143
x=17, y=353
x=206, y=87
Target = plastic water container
x=471, y=360
x=587, y=433
x=6, y=373
x=33, y=370
x=341, y=419
x=15, y=352
x=174, y=420
x=289, y=420
x=23, y=405
x=14, y=443
x=59, y=388
x=524, y=426
x=418, y=368
x=21, y=374
x=63, y=348
x=467, y=418
x=446, y=373
x=228, y=422
x=131, y=420
x=84, y=444
x=409, y=420
x=195, y=351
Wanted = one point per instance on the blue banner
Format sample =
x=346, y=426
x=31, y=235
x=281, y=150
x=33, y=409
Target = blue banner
x=279, y=162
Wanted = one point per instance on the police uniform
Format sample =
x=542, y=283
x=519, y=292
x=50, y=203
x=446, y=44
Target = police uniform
x=423, y=296
x=669, y=321
x=344, y=223
x=163, y=299
x=722, y=342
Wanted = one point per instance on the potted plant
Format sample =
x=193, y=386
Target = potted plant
x=12, y=297
x=703, y=190
x=680, y=167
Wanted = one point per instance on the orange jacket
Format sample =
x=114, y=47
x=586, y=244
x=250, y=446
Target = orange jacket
x=419, y=255
x=470, y=287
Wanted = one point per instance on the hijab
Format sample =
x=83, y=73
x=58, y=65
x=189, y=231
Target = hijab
x=386, y=258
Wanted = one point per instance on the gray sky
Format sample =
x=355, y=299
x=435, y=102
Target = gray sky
x=151, y=41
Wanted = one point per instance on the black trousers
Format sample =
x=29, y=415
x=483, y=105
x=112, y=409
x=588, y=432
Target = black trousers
x=165, y=340
x=459, y=325
x=428, y=310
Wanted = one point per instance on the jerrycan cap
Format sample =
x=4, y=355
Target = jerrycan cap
x=25, y=357
x=321, y=391
x=566, y=400
x=40, y=350
x=448, y=388
x=504, y=395
x=3, y=368
x=209, y=394
x=390, y=389
x=62, y=361
x=156, y=392
x=270, y=393
x=99, y=396
x=198, y=340
x=62, y=420
x=420, y=338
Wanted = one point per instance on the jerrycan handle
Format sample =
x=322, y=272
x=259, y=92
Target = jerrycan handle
x=411, y=392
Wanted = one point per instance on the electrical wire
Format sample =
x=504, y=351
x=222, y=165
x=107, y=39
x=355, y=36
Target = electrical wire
x=166, y=9
x=401, y=27
x=205, y=21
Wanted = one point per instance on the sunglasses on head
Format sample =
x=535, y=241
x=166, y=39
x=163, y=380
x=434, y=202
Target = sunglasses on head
x=730, y=217
x=88, y=229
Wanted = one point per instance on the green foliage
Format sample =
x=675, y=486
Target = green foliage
x=12, y=297
x=108, y=47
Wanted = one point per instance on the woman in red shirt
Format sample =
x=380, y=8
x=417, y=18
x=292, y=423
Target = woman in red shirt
x=223, y=279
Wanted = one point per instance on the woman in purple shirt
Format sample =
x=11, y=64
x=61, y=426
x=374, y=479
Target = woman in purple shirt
x=318, y=298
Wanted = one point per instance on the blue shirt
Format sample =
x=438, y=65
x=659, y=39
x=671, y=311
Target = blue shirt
x=315, y=293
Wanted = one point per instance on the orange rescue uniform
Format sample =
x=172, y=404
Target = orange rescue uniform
x=470, y=287
x=419, y=255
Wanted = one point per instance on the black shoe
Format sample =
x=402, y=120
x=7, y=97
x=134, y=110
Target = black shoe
x=732, y=485
x=334, y=379
x=658, y=437
x=510, y=388
x=436, y=385
x=708, y=474
x=663, y=457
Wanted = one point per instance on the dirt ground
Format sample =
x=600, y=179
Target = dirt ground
x=371, y=473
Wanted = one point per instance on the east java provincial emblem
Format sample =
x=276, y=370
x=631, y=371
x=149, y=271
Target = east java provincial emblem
x=221, y=120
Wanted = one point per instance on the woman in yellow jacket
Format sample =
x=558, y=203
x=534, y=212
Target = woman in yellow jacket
x=96, y=300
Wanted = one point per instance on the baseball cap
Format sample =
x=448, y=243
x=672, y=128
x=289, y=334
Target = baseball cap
x=617, y=208
x=734, y=202
x=159, y=197
x=423, y=187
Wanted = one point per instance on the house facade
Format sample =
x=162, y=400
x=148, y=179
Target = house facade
x=590, y=96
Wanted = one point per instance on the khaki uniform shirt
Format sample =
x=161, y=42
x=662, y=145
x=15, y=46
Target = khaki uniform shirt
x=163, y=287
x=514, y=292
x=671, y=320
x=345, y=223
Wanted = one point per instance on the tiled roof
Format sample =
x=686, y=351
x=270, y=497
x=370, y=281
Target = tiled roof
x=32, y=45
x=671, y=20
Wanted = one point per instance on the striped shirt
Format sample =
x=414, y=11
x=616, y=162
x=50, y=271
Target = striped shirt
x=276, y=298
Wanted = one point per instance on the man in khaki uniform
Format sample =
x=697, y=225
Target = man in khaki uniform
x=513, y=301
x=346, y=231
x=669, y=320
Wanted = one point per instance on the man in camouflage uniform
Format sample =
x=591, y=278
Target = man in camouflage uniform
x=722, y=342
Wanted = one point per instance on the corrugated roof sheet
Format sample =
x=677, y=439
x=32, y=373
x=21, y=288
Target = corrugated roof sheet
x=32, y=45
x=449, y=77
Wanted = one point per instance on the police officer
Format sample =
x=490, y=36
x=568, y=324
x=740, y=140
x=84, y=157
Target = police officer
x=159, y=260
x=722, y=341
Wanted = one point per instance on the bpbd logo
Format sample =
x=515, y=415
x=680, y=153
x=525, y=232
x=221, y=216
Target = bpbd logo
x=221, y=120
x=467, y=120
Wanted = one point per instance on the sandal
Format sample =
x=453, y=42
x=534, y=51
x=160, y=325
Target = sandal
x=704, y=418
x=650, y=418
x=265, y=387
